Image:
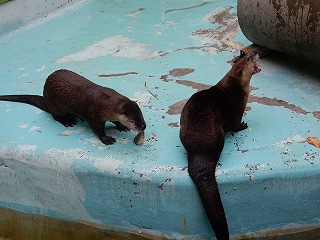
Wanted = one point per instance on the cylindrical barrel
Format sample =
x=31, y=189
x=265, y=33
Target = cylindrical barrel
x=288, y=26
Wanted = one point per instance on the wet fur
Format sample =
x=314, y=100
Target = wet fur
x=205, y=119
x=67, y=94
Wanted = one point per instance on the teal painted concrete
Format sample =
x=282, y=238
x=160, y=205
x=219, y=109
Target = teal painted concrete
x=158, y=53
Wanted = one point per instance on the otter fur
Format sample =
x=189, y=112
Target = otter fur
x=205, y=119
x=67, y=95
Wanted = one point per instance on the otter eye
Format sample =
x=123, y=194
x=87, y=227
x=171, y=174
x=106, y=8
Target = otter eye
x=240, y=72
x=248, y=59
x=125, y=113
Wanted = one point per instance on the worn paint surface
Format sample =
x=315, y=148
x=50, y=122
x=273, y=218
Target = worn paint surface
x=158, y=53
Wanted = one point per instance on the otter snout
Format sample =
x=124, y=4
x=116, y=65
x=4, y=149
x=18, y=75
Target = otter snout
x=141, y=126
x=254, y=57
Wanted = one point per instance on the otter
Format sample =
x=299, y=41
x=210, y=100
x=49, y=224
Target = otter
x=205, y=119
x=67, y=95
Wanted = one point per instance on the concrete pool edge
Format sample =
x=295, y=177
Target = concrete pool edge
x=19, y=225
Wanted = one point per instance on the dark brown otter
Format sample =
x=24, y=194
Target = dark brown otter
x=67, y=94
x=205, y=119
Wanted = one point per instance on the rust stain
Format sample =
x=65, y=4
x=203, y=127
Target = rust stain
x=176, y=108
x=316, y=114
x=177, y=72
x=117, y=74
x=187, y=8
x=175, y=124
x=185, y=227
x=276, y=102
x=194, y=85
x=216, y=39
x=220, y=36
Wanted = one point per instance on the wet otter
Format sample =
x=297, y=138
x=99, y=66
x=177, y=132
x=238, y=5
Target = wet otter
x=67, y=94
x=205, y=119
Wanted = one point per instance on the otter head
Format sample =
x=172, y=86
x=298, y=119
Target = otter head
x=131, y=116
x=245, y=66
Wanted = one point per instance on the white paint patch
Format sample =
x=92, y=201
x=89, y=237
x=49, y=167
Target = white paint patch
x=94, y=140
x=288, y=141
x=123, y=140
x=107, y=164
x=117, y=46
x=142, y=99
x=24, y=125
x=34, y=128
x=41, y=69
x=38, y=111
x=23, y=75
x=77, y=130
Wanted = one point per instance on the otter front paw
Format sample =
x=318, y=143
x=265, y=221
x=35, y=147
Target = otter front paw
x=121, y=127
x=107, y=140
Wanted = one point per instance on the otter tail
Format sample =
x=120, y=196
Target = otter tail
x=201, y=169
x=35, y=100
